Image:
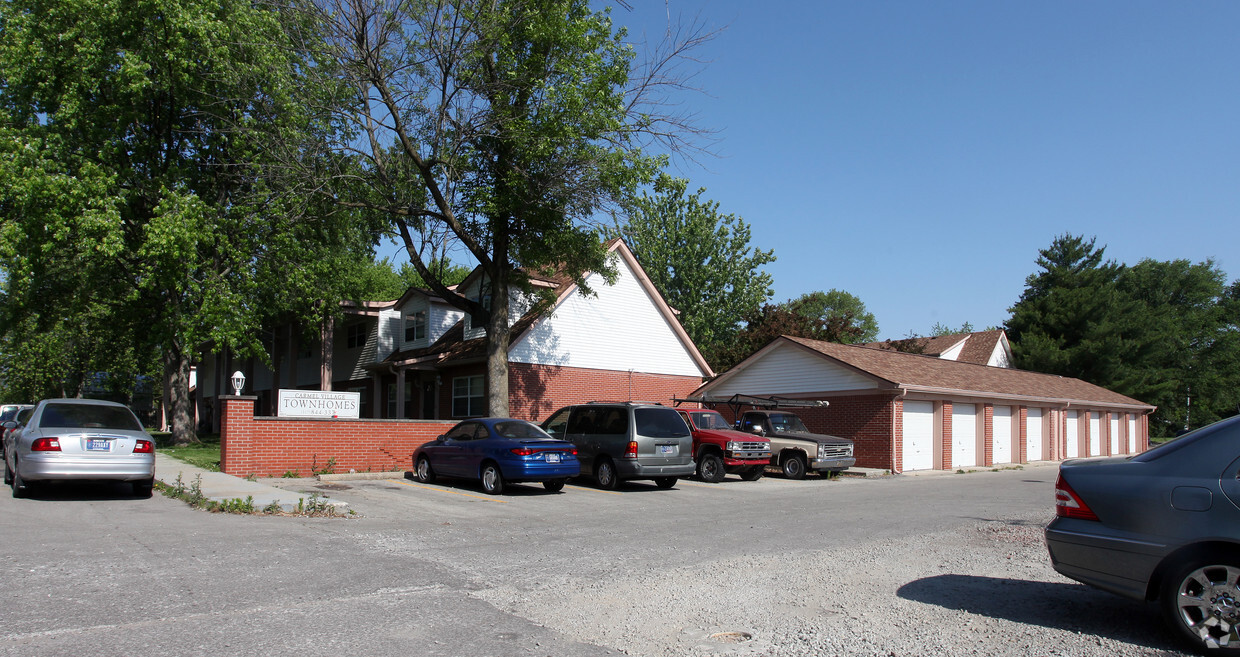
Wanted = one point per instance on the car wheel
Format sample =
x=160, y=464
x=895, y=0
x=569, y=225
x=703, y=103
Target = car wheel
x=144, y=488
x=794, y=466
x=665, y=482
x=605, y=475
x=753, y=474
x=710, y=469
x=423, y=471
x=492, y=479
x=1201, y=599
x=555, y=485
x=20, y=487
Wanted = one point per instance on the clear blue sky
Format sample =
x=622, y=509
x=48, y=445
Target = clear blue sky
x=918, y=154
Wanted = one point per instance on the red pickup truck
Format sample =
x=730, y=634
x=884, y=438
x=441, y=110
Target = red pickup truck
x=720, y=450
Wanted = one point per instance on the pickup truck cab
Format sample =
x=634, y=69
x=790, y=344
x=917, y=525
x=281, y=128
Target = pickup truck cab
x=793, y=448
x=721, y=450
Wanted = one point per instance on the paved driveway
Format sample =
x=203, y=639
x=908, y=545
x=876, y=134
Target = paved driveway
x=927, y=564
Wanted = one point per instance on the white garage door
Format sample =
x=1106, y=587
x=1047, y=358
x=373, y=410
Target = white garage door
x=1114, y=434
x=964, y=435
x=1073, y=433
x=1002, y=433
x=1132, y=434
x=1033, y=435
x=1095, y=433
x=918, y=447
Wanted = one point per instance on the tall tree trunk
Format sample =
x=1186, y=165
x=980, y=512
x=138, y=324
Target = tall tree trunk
x=176, y=382
x=498, y=333
x=326, y=344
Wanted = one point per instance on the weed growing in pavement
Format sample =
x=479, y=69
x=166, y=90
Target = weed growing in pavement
x=330, y=468
x=291, y=474
x=316, y=506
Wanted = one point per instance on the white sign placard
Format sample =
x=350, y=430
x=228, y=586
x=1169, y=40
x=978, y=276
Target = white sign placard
x=319, y=403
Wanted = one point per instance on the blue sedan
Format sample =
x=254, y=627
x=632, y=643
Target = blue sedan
x=497, y=451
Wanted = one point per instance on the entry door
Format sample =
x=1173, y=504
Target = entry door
x=964, y=435
x=918, y=442
x=1002, y=449
x=1073, y=431
x=1033, y=435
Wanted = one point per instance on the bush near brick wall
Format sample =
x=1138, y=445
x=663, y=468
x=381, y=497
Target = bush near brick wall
x=273, y=446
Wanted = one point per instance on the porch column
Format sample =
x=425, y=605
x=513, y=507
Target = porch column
x=400, y=393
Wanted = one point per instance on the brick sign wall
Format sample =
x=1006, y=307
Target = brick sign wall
x=273, y=446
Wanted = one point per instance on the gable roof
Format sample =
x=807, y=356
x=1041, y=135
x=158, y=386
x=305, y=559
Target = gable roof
x=921, y=373
x=976, y=347
x=453, y=347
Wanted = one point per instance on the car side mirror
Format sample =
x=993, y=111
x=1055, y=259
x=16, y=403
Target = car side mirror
x=757, y=429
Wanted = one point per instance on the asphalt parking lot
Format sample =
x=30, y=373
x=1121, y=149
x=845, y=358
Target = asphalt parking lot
x=909, y=565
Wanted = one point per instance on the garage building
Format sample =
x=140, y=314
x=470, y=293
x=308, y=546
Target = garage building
x=909, y=411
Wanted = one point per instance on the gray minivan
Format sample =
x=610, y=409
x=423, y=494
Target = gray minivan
x=618, y=441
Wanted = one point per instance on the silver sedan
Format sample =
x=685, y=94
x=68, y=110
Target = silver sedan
x=80, y=439
x=1163, y=525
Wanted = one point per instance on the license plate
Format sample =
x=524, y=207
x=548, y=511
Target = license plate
x=553, y=457
x=98, y=445
x=667, y=449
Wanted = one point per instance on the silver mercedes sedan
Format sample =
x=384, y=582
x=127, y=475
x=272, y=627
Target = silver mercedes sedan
x=80, y=439
x=1163, y=525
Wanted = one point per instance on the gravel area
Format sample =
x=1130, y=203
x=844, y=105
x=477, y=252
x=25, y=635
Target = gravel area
x=987, y=589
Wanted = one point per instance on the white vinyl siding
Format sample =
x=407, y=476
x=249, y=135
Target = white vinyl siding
x=619, y=328
x=1073, y=431
x=1033, y=434
x=788, y=369
x=918, y=442
x=964, y=435
x=1002, y=434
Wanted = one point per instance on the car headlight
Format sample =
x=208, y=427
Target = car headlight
x=733, y=446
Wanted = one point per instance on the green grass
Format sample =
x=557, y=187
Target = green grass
x=205, y=455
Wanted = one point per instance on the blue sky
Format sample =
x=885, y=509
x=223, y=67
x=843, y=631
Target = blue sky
x=918, y=154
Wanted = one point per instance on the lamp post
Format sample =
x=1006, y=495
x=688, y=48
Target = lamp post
x=238, y=382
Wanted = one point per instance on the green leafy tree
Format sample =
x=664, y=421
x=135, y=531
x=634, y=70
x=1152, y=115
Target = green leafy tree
x=836, y=306
x=135, y=217
x=1073, y=320
x=771, y=321
x=500, y=128
x=699, y=259
x=943, y=329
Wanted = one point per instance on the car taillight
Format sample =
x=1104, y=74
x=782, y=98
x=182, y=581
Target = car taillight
x=573, y=451
x=522, y=451
x=1070, y=505
x=143, y=447
x=45, y=445
x=631, y=452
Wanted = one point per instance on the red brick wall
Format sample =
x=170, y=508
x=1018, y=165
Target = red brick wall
x=537, y=391
x=272, y=446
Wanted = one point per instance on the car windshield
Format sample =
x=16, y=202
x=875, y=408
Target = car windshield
x=520, y=430
x=88, y=416
x=787, y=423
x=709, y=420
x=660, y=423
x=8, y=413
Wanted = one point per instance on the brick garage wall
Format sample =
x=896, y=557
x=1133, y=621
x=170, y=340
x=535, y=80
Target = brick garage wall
x=537, y=391
x=864, y=419
x=272, y=446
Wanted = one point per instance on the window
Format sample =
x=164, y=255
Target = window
x=469, y=396
x=466, y=431
x=415, y=326
x=355, y=335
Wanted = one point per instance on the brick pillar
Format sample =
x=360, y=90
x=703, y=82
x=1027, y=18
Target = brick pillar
x=236, y=433
x=946, y=428
x=988, y=434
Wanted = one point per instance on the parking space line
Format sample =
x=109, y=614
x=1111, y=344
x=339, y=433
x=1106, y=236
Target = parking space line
x=441, y=490
x=595, y=490
x=694, y=484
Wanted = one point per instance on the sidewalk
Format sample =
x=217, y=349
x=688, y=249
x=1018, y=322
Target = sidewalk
x=219, y=487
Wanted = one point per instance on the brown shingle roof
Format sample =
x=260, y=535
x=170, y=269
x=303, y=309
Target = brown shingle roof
x=928, y=373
